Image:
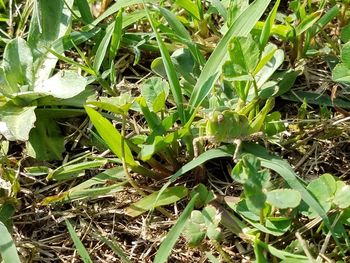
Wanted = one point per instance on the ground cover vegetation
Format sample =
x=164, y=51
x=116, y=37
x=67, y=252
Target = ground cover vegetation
x=174, y=131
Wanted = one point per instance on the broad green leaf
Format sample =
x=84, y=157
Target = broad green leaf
x=113, y=139
x=273, y=124
x=155, y=91
x=244, y=56
x=50, y=21
x=345, y=54
x=283, y=198
x=153, y=120
x=323, y=189
x=110, y=135
x=17, y=66
x=84, y=254
x=46, y=142
x=195, y=229
x=157, y=144
x=345, y=33
x=341, y=73
x=12, y=119
x=7, y=210
x=63, y=85
x=8, y=250
x=169, y=196
x=210, y=73
x=173, y=235
x=342, y=197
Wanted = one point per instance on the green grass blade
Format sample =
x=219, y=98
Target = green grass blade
x=117, y=6
x=78, y=244
x=265, y=34
x=7, y=247
x=113, y=139
x=181, y=32
x=170, y=70
x=204, y=157
x=113, y=244
x=149, y=202
x=84, y=9
x=103, y=47
x=116, y=35
x=174, y=233
x=110, y=135
x=210, y=73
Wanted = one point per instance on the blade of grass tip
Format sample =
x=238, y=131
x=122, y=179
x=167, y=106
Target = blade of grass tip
x=170, y=70
x=183, y=34
x=210, y=73
x=174, y=233
x=78, y=244
x=102, y=47
x=115, y=42
x=265, y=34
x=7, y=247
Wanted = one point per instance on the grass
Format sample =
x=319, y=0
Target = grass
x=174, y=131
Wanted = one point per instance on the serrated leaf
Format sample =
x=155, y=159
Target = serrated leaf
x=283, y=198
